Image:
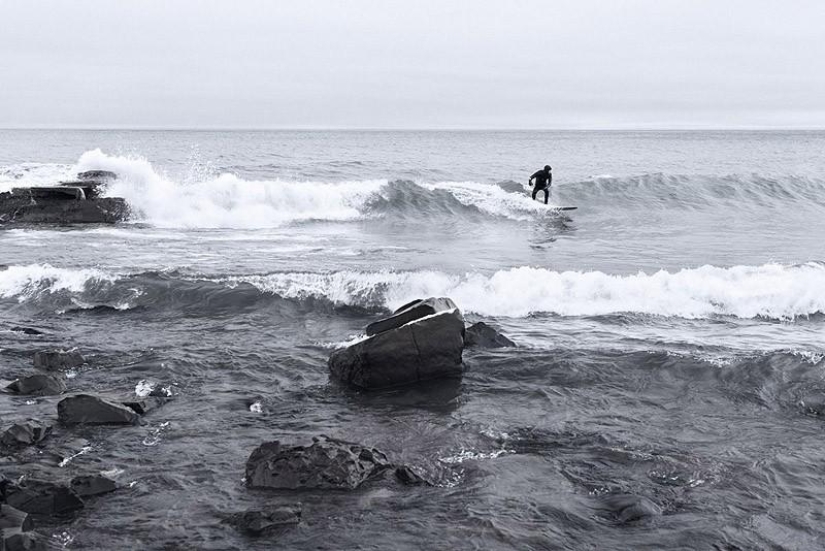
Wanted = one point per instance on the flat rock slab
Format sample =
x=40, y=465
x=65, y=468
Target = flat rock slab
x=327, y=463
x=57, y=359
x=93, y=410
x=38, y=385
x=411, y=311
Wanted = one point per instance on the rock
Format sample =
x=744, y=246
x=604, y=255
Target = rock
x=427, y=348
x=15, y=539
x=813, y=404
x=93, y=485
x=27, y=330
x=628, y=508
x=25, y=434
x=411, y=311
x=38, y=385
x=92, y=410
x=57, y=359
x=482, y=335
x=40, y=498
x=14, y=518
x=407, y=476
x=144, y=405
x=96, y=175
x=25, y=206
x=326, y=464
x=257, y=523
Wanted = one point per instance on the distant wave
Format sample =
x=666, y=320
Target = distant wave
x=772, y=291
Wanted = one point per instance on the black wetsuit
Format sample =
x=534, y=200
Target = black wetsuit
x=543, y=180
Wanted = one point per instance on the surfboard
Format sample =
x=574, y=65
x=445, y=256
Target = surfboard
x=561, y=208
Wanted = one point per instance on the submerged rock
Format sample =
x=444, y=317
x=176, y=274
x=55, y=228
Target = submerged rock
x=406, y=350
x=92, y=410
x=482, y=335
x=57, y=359
x=38, y=385
x=327, y=463
x=41, y=498
x=25, y=434
x=257, y=523
x=93, y=485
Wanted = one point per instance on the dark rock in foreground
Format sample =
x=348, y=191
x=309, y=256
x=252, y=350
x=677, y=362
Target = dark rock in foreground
x=257, y=523
x=25, y=434
x=38, y=385
x=408, y=350
x=92, y=410
x=41, y=498
x=93, y=485
x=482, y=335
x=15, y=539
x=326, y=464
x=57, y=359
x=14, y=518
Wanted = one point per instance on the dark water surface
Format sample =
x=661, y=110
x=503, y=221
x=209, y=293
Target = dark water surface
x=667, y=331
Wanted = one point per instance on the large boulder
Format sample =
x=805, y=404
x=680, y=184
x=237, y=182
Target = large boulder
x=327, y=463
x=406, y=350
x=57, y=359
x=59, y=206
x=38, y=385
x=481, y=335
x=93, y=410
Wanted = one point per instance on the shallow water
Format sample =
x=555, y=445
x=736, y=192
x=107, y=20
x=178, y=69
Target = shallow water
x=667, y=330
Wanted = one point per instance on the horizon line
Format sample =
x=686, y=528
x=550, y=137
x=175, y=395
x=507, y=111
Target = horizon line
x=674, y=128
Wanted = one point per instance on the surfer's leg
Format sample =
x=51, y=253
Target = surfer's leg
x=535, y=191
x=546, y=194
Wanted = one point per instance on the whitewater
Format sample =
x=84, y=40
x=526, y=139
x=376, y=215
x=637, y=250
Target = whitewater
x=667, y=329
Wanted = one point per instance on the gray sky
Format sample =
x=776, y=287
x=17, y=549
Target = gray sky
x=412, y=64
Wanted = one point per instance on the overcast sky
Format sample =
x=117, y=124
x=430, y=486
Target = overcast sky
x=412, y=64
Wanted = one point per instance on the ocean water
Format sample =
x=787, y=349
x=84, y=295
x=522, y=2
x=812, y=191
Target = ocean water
x=667, y=331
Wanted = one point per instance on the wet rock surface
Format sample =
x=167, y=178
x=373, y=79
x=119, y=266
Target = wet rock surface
x=259, y=523
x=93, y=410
x=408, y=350
x=327, y=463
x=25, y=434
x=41, y=498
x=38, y=385
x=92, y=485
x=481, y=335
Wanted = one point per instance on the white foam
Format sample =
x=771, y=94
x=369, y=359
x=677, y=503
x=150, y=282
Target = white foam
x=226, y=201
x=25, y=282
x=772, y=290
x=492, y=199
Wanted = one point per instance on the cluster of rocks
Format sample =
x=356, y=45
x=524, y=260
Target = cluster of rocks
x=73, y=202
x=27, y=500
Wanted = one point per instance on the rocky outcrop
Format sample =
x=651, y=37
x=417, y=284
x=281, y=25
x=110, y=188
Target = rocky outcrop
x=38, y=385
x=53, y=360
x=75, y=202
x=422, y=340
x=93, y=410
x=327, y=463
x=258, y=523
x=25, y=434
x=481, y=335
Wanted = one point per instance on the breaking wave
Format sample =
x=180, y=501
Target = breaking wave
x=771, y=291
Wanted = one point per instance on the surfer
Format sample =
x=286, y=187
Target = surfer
x=543, y=180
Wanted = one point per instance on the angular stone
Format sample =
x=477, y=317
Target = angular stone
x=144, y=405
x=38, y=385
x=41, y=498
x=15, y=539
x=482, y=335
x=411, y=311
x=407, y=476
x=327, y=463
x=57, y=359
x=92, y=410
x=93, y=485
x=25, y=434
x=14, y=518
x=428, y=348
x=257, y=523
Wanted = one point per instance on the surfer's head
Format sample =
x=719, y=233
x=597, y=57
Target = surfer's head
x=547, y=168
